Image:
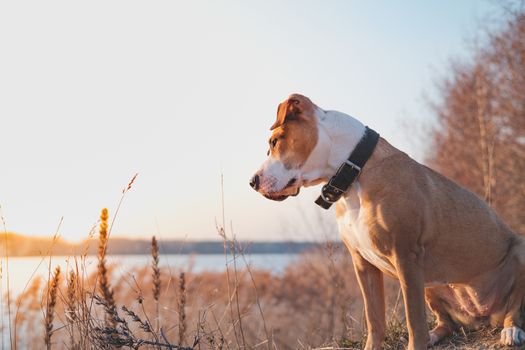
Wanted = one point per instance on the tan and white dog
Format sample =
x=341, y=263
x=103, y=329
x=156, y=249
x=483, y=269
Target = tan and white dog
x=400, y=218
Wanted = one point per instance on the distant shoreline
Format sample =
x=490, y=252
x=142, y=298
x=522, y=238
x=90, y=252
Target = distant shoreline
x=21, y=245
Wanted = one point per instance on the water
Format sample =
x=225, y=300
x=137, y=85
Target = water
x=21, y=269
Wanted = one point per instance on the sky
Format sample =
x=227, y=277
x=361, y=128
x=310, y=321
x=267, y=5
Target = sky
x=181, y=92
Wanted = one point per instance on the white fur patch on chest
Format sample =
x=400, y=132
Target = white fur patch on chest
x=354, y=230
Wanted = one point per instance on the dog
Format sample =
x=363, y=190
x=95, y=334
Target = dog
x=443, y=243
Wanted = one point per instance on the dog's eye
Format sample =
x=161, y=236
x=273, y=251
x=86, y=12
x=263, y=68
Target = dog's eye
x=274, y=142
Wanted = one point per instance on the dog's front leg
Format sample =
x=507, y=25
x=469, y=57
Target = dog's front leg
x=410, y=273
x=371, y=283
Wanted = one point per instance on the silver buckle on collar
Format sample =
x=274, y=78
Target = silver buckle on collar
x=353, y=166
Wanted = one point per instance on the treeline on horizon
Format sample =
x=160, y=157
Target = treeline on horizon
x=20, y=245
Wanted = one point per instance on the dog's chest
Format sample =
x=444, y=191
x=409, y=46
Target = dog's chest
x=354, y=230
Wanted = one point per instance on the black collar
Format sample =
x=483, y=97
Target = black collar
x=349, y=171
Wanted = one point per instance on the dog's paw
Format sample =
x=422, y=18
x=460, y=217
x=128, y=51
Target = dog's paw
x=438, y=333
x=512, y=336
x=433, y=338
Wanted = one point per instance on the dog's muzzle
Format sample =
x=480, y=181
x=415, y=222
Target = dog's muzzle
x=255, y=182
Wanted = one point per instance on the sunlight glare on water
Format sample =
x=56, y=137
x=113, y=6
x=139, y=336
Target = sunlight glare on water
x=22, y=269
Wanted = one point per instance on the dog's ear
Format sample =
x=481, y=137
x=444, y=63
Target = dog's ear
x=292, y=109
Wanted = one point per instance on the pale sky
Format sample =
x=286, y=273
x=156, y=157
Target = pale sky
x=179, y=91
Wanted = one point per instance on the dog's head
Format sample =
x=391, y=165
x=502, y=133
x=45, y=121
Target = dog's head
x=296, y=157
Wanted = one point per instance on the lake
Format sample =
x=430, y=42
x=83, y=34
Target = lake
x=22, y=268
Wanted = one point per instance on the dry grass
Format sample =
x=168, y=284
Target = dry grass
x=315, y=303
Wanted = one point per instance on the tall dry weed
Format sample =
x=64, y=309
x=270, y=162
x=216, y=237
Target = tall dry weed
x=50, y=308
x=71, y=301
x=156, y=279
x=182, y=308
x=103, y=281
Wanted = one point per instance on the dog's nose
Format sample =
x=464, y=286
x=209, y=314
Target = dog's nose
x=254, y=182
